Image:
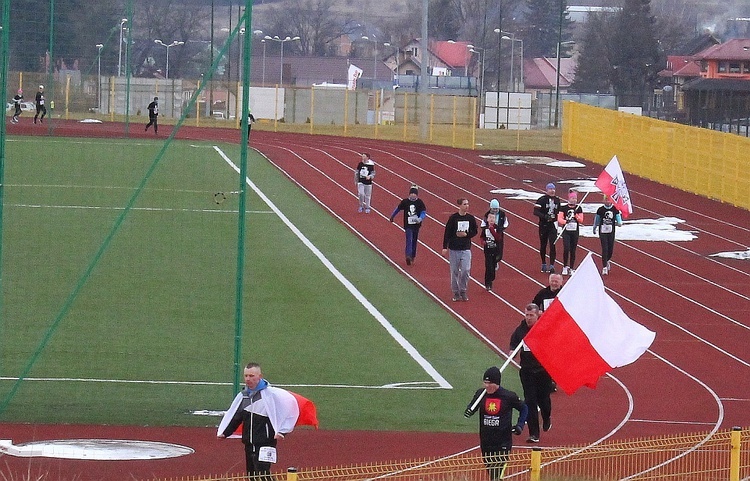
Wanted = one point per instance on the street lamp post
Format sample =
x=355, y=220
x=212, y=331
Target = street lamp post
x=259, y=33
x=480, y=51
x=276, y=38
x=512, y=37
x=119, y=55
x=173, y=44
x=99, y=47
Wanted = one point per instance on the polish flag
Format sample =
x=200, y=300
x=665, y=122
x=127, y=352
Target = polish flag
x=285, y=410
x=612, y=183
x=584, y=334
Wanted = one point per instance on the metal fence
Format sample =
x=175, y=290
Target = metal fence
x=706, y=162
x=720, y=456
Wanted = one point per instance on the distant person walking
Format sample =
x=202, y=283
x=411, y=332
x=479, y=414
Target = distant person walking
x=41, y=108
x=492, y=231
x=17, y=99
x=607, y=219
x=414, y=213
x=459, y=229
x=570, y=217
x=153, y=115
x=546, y=209
x=364, y=174
x=250, y=122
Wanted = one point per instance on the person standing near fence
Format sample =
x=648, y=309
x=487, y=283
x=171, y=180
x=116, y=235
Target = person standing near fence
x=546, y=208
x=537, y=383
x=607, y=219
x=364, y=174
x=459, y=229
x=17, y=99
x=570, y=217
x=250, y=122
x=492, y=231
x=41, y=107
x=153, y=115
x=414, y=213
x=495, y=405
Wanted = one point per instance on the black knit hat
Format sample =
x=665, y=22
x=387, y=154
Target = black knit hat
x=414, y=190
x=492, y=375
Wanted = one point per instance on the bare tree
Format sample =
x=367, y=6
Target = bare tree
x=313, y=21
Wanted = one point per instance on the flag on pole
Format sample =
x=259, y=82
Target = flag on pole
x=584, y=334
x=285, y=410
x=612, y=183
x=354, y=73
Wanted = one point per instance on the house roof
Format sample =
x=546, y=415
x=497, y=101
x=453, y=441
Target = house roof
x=735, y=49
x=681, y=66
x=718, y=84
x=539, y=73
x=453, y=54
x=696, y=44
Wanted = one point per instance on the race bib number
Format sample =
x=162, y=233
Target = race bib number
x=606, y=229
x=412, y=219
x=571, y=226
x=267, y=454
x=462, y=226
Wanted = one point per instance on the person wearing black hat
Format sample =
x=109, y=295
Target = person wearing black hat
x=495, y=405
x=153, y=114
x=414, y=213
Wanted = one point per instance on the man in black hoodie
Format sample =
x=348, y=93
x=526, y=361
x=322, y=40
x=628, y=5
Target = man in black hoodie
x=459, y=230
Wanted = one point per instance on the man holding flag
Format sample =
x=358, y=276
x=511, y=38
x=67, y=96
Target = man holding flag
x=584, y=334
x=266, y=415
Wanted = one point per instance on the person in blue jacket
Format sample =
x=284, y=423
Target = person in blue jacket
x=414, y=213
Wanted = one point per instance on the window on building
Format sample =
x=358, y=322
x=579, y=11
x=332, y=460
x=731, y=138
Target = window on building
x=704, y=66
x=734, y=67
x=723, y=67
x=745, y=67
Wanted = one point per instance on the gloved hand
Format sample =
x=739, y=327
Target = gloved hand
x=391, y=219
x=517, y=430
x=468, y=413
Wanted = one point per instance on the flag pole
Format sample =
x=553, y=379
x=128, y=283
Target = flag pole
x=502, y=368
x=561, y=232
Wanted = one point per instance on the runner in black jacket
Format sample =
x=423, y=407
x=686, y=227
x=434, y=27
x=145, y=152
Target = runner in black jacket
x=495, y=405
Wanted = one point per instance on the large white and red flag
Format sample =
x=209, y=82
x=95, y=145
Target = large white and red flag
x=285, y=410
x=584, y=334
x=612, y=183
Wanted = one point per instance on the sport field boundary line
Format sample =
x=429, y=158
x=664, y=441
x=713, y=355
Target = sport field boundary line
x=397, y=336
x=394, y=385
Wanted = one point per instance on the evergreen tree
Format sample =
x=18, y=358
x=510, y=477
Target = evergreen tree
x=592, y=71
x=546, y=21
x=634, y=52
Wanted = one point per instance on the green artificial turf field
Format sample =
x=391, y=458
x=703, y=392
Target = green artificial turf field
x=127, y=316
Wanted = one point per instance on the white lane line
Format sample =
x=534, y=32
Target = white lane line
x=397, y=336
x=395, y=385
